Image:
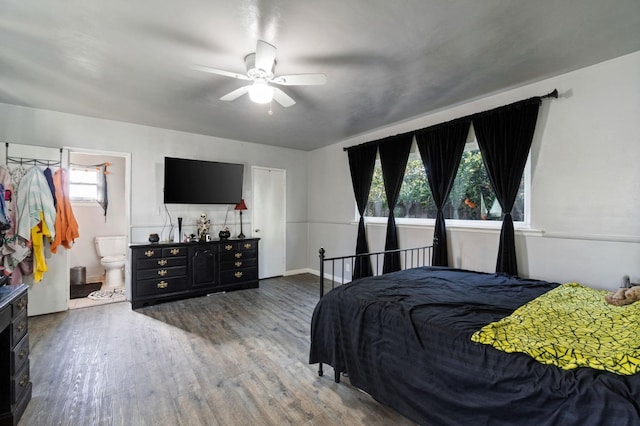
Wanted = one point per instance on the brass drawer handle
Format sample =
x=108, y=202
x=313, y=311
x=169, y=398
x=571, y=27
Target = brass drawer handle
x=21, y=304
x=238, y=274
x=162, y=272
x=24, y=380
x=21, y=327
x=162, y=262
x=163, y=284
x=228, y=247
x=248, y=245
x=238, y=255
x=22, y=353
x=238, y=264
x=149, y=253
x=175, y=251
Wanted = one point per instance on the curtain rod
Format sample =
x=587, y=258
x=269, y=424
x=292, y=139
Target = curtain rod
x=553, y=94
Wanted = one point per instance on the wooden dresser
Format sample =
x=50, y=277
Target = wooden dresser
x=15, y=385
x=171, y=271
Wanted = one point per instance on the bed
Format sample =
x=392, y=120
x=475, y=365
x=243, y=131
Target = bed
x=405, y=339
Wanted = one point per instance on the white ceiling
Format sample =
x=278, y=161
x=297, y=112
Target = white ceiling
x=385, y=61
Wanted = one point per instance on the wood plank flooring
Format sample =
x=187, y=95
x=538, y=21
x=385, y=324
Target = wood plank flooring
x=237, y=358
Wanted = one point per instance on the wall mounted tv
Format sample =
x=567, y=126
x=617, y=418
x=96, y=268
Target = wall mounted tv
x=201, y=182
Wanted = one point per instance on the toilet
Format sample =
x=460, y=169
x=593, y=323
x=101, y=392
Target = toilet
x=112, y=251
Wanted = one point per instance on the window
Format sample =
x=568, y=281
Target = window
x=471, y=198
x=83, y=184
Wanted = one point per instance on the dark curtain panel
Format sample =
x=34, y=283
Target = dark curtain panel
x=394, y=153
x=362, y=160
x=441, y=149
x=504, y=136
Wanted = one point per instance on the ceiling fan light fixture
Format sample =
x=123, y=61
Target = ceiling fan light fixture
x=260, y=92
x=264, y=88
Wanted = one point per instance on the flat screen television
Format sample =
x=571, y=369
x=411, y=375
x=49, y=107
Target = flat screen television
x=201, y=182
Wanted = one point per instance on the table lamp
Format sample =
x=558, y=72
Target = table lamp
x=240, y=206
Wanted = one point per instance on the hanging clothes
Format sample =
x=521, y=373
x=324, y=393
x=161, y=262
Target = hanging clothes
x=17, y=174
x=14, y=250
x=34, y=197
x=9, y=199
x=66, y=226
x=48, y=174
x=5, y=220
x=38, y=234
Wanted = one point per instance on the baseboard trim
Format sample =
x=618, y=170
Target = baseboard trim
x=300, y=271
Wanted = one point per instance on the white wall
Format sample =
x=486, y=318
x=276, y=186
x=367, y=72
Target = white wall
x=585, y=183
x=148, y=146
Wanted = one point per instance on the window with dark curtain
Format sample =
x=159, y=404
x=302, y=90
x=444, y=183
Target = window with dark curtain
x=394, y=153
x=441, y=148
x=362, y=160
x=504, y=136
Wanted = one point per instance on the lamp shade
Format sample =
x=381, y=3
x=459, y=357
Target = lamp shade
x=241, y=205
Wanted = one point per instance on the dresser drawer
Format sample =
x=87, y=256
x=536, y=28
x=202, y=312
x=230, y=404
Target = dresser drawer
x=147, y=253
x=19, y=305
x=238, y=255
x=18, y=328
x=19, y=407
x=238, y=275
x=238, y=263
x=20, y=354
x=162, y=262
x=147, y=274
x=19, y=383
x=174, y=251
x=160, y=286
x=238, y=246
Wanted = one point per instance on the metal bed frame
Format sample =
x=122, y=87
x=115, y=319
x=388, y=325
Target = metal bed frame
x=409, y=258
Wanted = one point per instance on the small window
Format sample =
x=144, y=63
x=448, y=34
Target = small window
x=83, y=184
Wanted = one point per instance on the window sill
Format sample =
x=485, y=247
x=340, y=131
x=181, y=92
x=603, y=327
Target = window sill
x=457, y=226
x=87, y=203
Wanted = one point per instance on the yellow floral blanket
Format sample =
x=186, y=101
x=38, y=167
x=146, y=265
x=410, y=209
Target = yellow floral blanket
x=571, y=326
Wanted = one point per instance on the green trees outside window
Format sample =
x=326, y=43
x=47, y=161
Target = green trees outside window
x=471, y=198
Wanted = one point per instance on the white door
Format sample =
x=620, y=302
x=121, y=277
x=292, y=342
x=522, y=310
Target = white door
x=268, y=219
x=51, y=294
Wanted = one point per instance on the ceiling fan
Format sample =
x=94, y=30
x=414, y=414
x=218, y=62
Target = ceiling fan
x=260, y=71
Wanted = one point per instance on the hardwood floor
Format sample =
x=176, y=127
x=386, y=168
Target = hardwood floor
x=237, y=358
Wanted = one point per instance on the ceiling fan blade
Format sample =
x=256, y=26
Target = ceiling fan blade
x=300, y=79
x=235, y=94
x=265, y=56
x=220, y=72
x=282, y=98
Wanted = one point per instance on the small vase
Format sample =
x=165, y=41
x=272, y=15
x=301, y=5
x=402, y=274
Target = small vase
x=224, y=234
x=154, y=238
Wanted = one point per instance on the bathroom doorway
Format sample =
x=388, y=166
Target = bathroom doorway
x=97, y=218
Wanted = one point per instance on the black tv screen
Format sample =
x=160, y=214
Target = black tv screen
x=201, y=182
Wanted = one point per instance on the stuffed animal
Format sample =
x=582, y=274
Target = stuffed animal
x=624, y=296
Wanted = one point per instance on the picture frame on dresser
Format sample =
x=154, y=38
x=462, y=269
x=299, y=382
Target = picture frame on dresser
x=162, y=272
